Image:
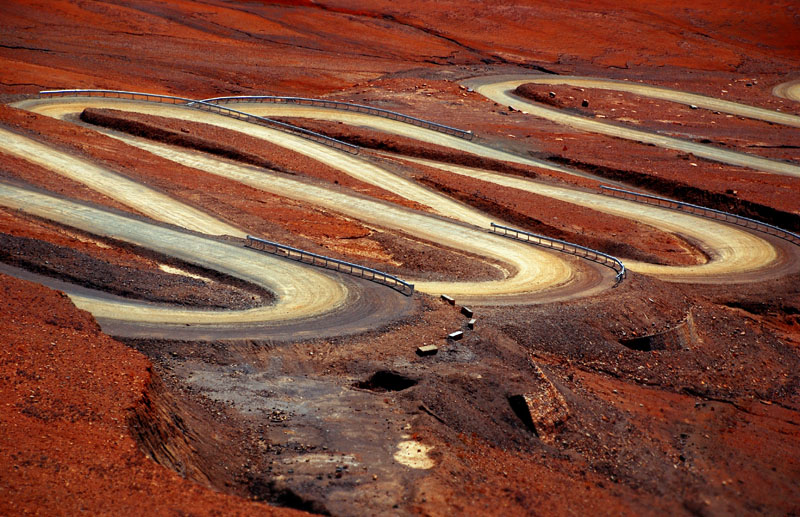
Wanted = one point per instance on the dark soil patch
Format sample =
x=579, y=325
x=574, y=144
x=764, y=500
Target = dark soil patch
x=386, y=380
x=79, y=268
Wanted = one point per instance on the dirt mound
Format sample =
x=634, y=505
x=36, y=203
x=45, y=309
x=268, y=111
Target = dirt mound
x=66, y=444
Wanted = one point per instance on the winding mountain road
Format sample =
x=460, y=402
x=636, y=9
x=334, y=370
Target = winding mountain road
x=689, y=99
x=500, y=89
x=311, y=301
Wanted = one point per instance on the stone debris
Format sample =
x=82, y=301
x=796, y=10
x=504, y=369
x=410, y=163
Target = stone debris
x=424, y=350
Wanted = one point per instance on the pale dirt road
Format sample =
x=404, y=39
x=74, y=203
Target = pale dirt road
x=499, y=89
x=529, y=270
x=733, y=251
x=300, y=292
x=397, y=128
x=530, y=273
x=142, y=199
x=657, y=92
x=59, y=107
x=788, y=90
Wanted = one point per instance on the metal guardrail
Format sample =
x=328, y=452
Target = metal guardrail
x=331, y=263
x=703, y=211
x=222, y=110
x=349, y=106
x=566, y=247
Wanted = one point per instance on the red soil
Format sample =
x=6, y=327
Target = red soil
x=325, y=46
x=68, y=393
x=678, y=431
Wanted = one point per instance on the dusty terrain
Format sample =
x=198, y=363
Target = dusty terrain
x=204, y=377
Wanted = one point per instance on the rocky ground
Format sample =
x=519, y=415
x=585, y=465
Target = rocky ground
x=649, y=398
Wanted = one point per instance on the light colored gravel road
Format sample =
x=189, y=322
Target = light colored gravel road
x=500, y=90
x=657, y=92
x=734, y=251
x=530, y=273
x=529, y=270
x=788, y=90
x=300, y=292
x=140, y=198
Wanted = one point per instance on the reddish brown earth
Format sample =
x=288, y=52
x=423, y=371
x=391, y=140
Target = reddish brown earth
x=681, y=399
x=69, y=392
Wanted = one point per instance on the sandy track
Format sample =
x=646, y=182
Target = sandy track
x=735, y=254
x=499, y=89
x=397, y=128
x=532, y=272
x=733, y=251
x=303, y=295
x=59, y=107
x=788, y=90
x=144, y=200
x=308, y=302
x=300, y=292
x=656, y=92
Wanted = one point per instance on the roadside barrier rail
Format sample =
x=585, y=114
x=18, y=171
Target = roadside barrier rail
x=331, y=263
x=349, y=106
x=208, y=106
x=703, y=211
x=565, y=247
